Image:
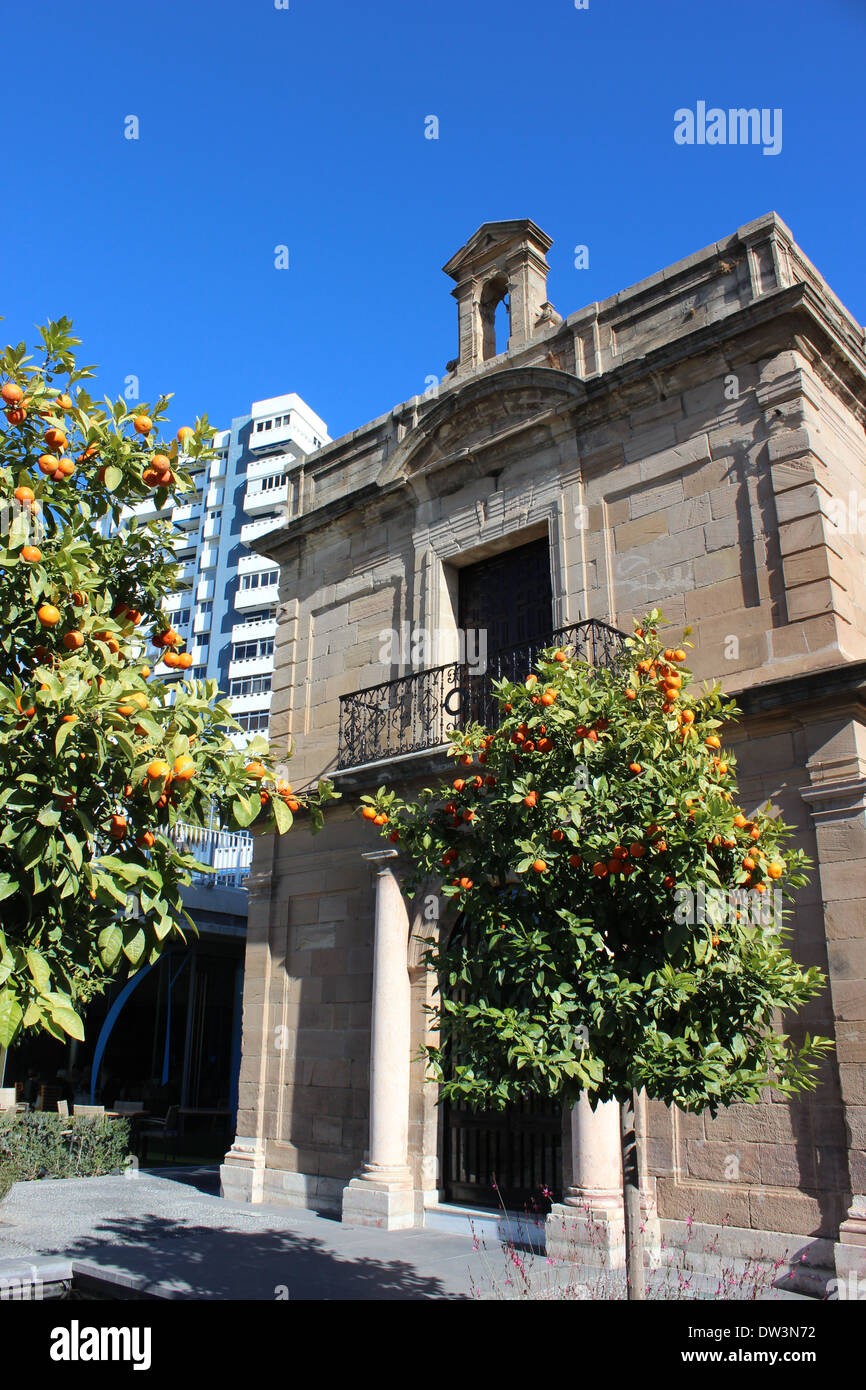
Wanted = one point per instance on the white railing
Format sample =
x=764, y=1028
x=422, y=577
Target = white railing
x=228, y=852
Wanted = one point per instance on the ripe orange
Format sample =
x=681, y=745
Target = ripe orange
x=171, y=659
x=575, y=861
x=748, y=864
x=559, y=656
x=117, y=827
x=394, y=836
x=688, y=716
x=740, y=821
x=31, y=554
x=56, y=440
x=27, y=712
x=142, y=424
x=125, y=710
x=146, y=840
x=465, y=883
x=24, y=495
x=184, y=768
x=145, y=671
x=46, y=463
x=668, y=881
x=466, y=760
x=48, y=615
x=630, y=694
x=380, y=819
x=184, y=433
x=69, y=719
x=530, y=799
x=775, y=870
x=539, y=866
x=65, y=467
x=16, y=414
x=635, y=768
x=636, y=850
x=459, y=784
x=369, y=813
x=64, y=402
x=557, y=835
x=760, y=887
x=600, y=870
x=73, y=641
x=158, y=769
x=256, y=769
x=712, y=742
x=531, y=681
x=11, y=393
x=679, y=654
x=548, y=697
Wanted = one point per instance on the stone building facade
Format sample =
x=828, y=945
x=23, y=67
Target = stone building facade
x=695, y=442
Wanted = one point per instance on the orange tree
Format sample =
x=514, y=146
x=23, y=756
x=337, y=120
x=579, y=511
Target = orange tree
x=620, y=918
x=99, y=756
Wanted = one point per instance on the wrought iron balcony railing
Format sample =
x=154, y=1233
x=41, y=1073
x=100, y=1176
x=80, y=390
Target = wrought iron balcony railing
x=416, y=712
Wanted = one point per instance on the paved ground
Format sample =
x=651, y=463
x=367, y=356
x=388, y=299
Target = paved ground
x=170, y=1235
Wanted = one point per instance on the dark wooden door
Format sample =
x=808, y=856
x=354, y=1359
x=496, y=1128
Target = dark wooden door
x=508, y=596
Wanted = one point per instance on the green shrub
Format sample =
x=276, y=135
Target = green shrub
x=50, y=1146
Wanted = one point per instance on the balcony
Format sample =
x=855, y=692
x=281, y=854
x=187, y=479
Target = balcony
x=270, y=438
x=229, y=853
x=416, y=712
x=187, y=515
x=251, y=666
x=258, y=598
x=251, y=529
x=265, y=498
x=251, y=632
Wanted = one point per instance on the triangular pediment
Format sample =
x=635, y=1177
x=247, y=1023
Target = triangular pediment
x=496, y=236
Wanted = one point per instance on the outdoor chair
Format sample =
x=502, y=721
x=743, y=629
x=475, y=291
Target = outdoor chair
x=63, y=1108
x=162, y=1130
x=88, y=1109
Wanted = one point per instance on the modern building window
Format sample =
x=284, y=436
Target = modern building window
x=252, y=651
x=205, y=608
x=261, y=615
x=259, y=579
x=250, y=685
x=254, y=721
x=272, y=480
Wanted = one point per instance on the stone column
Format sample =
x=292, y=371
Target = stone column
x=586, y=1227
x=382, y=1193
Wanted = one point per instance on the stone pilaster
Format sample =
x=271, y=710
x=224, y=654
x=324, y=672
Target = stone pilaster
x=837, y=800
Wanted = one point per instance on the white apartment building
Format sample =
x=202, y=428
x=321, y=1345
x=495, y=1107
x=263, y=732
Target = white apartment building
x=226, y=609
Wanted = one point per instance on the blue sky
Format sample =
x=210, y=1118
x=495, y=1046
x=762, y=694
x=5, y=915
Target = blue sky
x=305, y=127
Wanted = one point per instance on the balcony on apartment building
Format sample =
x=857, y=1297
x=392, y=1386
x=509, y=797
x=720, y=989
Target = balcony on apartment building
x=260, y=596
x=253, y=632
x=251, y=529
x=259, y=499
x=415, y=713
x=271, y=433
x=227, y=853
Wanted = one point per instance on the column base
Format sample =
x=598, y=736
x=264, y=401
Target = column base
x=587, y=1231
x=382, y=1197
x=850, y=1253
x=242, y=1173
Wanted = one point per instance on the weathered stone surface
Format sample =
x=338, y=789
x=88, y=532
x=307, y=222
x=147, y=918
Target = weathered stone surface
x=652, y=485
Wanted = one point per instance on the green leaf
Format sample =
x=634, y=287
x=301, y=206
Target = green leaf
x=282, y=815
x=113, y=478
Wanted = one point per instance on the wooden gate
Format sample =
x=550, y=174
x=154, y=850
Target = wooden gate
x=511, y=1157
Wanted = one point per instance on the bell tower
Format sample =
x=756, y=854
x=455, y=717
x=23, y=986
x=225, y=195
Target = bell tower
x=503, y=261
